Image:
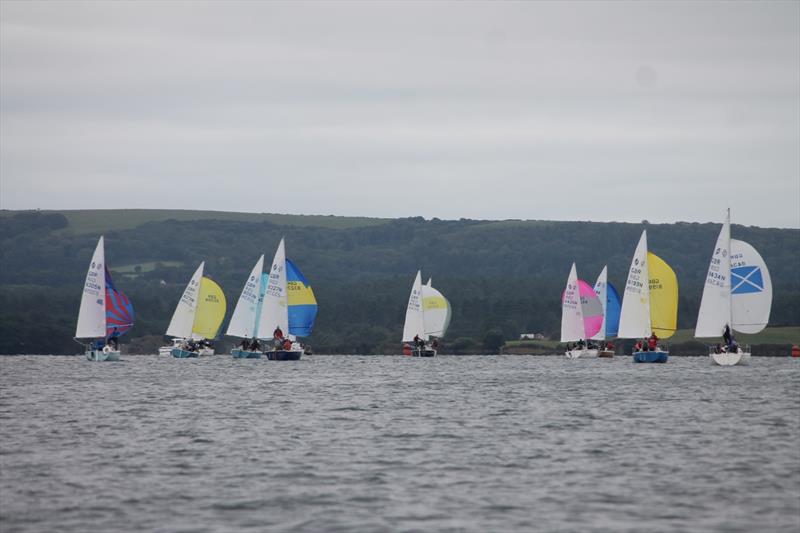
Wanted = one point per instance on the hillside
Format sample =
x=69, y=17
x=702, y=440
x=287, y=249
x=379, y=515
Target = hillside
x=501, y=276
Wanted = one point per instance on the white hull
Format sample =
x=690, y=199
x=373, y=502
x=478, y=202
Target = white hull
x=102, y=355
x=730, y=359
x=580, y=354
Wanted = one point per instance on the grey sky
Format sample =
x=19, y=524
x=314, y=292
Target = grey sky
x=535, y=110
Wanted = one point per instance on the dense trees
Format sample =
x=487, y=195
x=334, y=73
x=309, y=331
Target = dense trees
x=502, y=278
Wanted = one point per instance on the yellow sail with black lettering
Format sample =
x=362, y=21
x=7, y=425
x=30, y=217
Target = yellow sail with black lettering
x=210, y=310
x=663, y=297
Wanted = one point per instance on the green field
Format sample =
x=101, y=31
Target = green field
x=145, y=267
x=103, y=220
x=784, y=335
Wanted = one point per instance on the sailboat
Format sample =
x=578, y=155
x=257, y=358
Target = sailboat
x=105, y=313
x=581, y=316
x=288, y=305
x=737, y=295
x=610, y=300
x=244, y=321
x=428, y=315
x=197, y=317
x=649, y=304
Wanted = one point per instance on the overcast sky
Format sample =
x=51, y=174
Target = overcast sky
x=535, y=110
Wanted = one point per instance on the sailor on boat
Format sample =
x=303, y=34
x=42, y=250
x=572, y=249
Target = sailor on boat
x=277, y=337
x=652, y=342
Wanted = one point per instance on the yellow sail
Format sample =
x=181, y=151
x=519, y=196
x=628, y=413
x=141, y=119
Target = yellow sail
x=663, y=297
x=210, y=310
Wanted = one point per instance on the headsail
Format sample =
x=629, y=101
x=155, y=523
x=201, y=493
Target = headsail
x=663, y=284
x=414, y=324
x=210, y=313
x=183, y=317
x=751, y=288
x=634, y=321
x=715, y=305
x=591, y=308
x=274, y=310
x=301, y=300
x=119, y=310
x=613, y=305
x=436, y=311
x=92, y=313
x=243, y=320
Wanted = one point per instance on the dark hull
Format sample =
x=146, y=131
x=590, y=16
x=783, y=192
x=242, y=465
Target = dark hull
x=650, y=357
x=283, y=355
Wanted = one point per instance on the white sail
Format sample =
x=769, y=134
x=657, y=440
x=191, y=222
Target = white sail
x=751, y=289
x=634, y=320
x=415, y=321
x=183, y=317
x=715, y=305
x=92, y=314
x=275, y=309
x=436, y=311
x=572, y=328
x=243, y=321
x=600, y=290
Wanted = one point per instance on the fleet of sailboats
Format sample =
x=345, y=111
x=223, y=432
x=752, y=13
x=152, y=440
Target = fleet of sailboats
x=278, y=306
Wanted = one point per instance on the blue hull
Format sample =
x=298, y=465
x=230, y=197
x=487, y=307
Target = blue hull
x=182, y=354
x=238, y=353
x=650, y=357
x=283, y=355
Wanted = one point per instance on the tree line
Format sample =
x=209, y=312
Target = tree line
x=502, y=278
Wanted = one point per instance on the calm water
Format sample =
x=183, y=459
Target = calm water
x=398, y=444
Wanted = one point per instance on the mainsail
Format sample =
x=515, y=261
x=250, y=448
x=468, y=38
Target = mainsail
x=609, y=299
x=243, y=321
x=274, y=309
x=183, y=318
x=572, y=326
x=415, y=322
x=92, y=313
